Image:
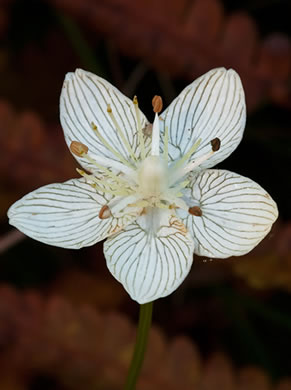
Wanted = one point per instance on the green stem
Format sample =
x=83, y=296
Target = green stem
x=144, y=324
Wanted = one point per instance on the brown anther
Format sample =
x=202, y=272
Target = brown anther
x=135, y=100
x=195, y=210
x=78, y=149
x=157, y=103
x=109, y=108
x=147, y=130
x=105, y=212
x=215, y=143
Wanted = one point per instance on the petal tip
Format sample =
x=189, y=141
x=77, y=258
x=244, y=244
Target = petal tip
x=69, y=76
x=232, y=73
x=81, y=73
x=11, y=212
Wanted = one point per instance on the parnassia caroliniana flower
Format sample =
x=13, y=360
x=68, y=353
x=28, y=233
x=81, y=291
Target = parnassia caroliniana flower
x=148, y=187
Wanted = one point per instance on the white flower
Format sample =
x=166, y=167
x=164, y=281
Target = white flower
x=149, y=188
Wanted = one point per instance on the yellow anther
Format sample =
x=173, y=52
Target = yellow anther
x=109, y=108
x=81, y=172
x=93, y=126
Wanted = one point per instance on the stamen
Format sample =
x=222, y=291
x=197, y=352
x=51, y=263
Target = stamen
x=196, y=211
x=114, y=188
x=139, y=129
x=120, y=133
x=157, y=103
x=104, y=162
x=81, y=172
x=109, y=147
x=142, y=203
x=120, y=190
x=78, y=149
x=161, y=205
x=105, y=212
x=156, y=137
x=174, y=200
x=187, y=155
x=181, y=185
x=107, y=171
x=124, y=202
x=166, y=144
x=194, y=164
x=215, y=143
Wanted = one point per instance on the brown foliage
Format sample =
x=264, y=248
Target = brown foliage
x=186, y=39
x=32, y=154
x=269, y=265
x=81, y=348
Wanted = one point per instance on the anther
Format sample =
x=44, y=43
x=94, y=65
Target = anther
x=93, y=126
x=157, y=103
x=196, y=211
x=105, y=212
x=80, y=171
x=215, y=143
x=135, y=100
x=78, y=149
x=109, y=108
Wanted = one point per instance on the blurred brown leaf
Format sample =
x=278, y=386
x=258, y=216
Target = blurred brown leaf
x=187, y=39
x=32, y=154
x=268, y=266
x=93, y=288
x=79, y=347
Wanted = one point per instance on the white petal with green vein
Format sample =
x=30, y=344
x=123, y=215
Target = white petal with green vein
x=237, y=213
x=151, y=257
x=84, y=99
x=213, y=106
x=65, y=215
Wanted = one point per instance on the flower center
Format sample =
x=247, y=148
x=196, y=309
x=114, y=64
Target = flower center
x=141, y=181
x=152, y=177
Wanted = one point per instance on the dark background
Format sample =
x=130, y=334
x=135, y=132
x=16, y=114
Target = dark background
x=65, y=323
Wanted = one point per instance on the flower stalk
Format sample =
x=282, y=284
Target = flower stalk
x=144, y=324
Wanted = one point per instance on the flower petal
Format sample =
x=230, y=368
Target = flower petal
x=65, y=215
x=150, y=263
x=84, y=100
x=213, y=106
x=236, y=213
